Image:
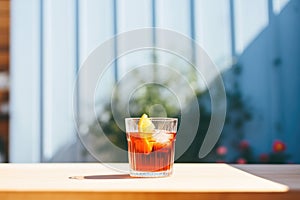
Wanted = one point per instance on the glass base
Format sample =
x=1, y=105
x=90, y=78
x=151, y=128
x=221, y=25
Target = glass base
x=134, y=173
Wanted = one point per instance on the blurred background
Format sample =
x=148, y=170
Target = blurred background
x=254, y=43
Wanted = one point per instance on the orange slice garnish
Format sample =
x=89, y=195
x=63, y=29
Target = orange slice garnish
x=143, y=145
x=145, y=128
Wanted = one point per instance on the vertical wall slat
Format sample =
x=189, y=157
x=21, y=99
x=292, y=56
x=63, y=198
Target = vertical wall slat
x=25, y=84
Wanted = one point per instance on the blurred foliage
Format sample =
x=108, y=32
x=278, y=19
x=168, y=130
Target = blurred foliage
x=1, y=145
x=2, y=150
x=151, y=95
x=154, y=94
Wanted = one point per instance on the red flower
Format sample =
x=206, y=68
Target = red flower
x=278, y=146
x=264, y=157
x=244, y=144
x=241, y=161
x=221, y=150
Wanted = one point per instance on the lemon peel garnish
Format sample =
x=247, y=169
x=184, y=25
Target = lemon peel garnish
x=145, y=125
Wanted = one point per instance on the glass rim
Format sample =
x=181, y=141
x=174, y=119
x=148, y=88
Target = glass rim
x=153, y=118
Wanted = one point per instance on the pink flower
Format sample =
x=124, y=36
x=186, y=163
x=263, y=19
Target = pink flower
x=241, y=161
x=278, y=146
x=244, y=144
x=221, y=150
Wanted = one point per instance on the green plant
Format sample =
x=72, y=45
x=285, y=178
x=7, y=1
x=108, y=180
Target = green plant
x=156, y=100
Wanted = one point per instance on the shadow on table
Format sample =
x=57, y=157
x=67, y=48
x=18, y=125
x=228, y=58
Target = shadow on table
x=107, y=176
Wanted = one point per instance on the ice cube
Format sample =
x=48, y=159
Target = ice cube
x=161, y=136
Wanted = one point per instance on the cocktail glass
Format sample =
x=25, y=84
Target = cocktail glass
x=151, y=150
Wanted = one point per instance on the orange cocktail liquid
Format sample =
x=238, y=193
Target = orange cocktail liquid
x=148, y=154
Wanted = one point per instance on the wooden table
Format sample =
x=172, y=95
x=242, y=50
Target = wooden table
x=189, y=181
